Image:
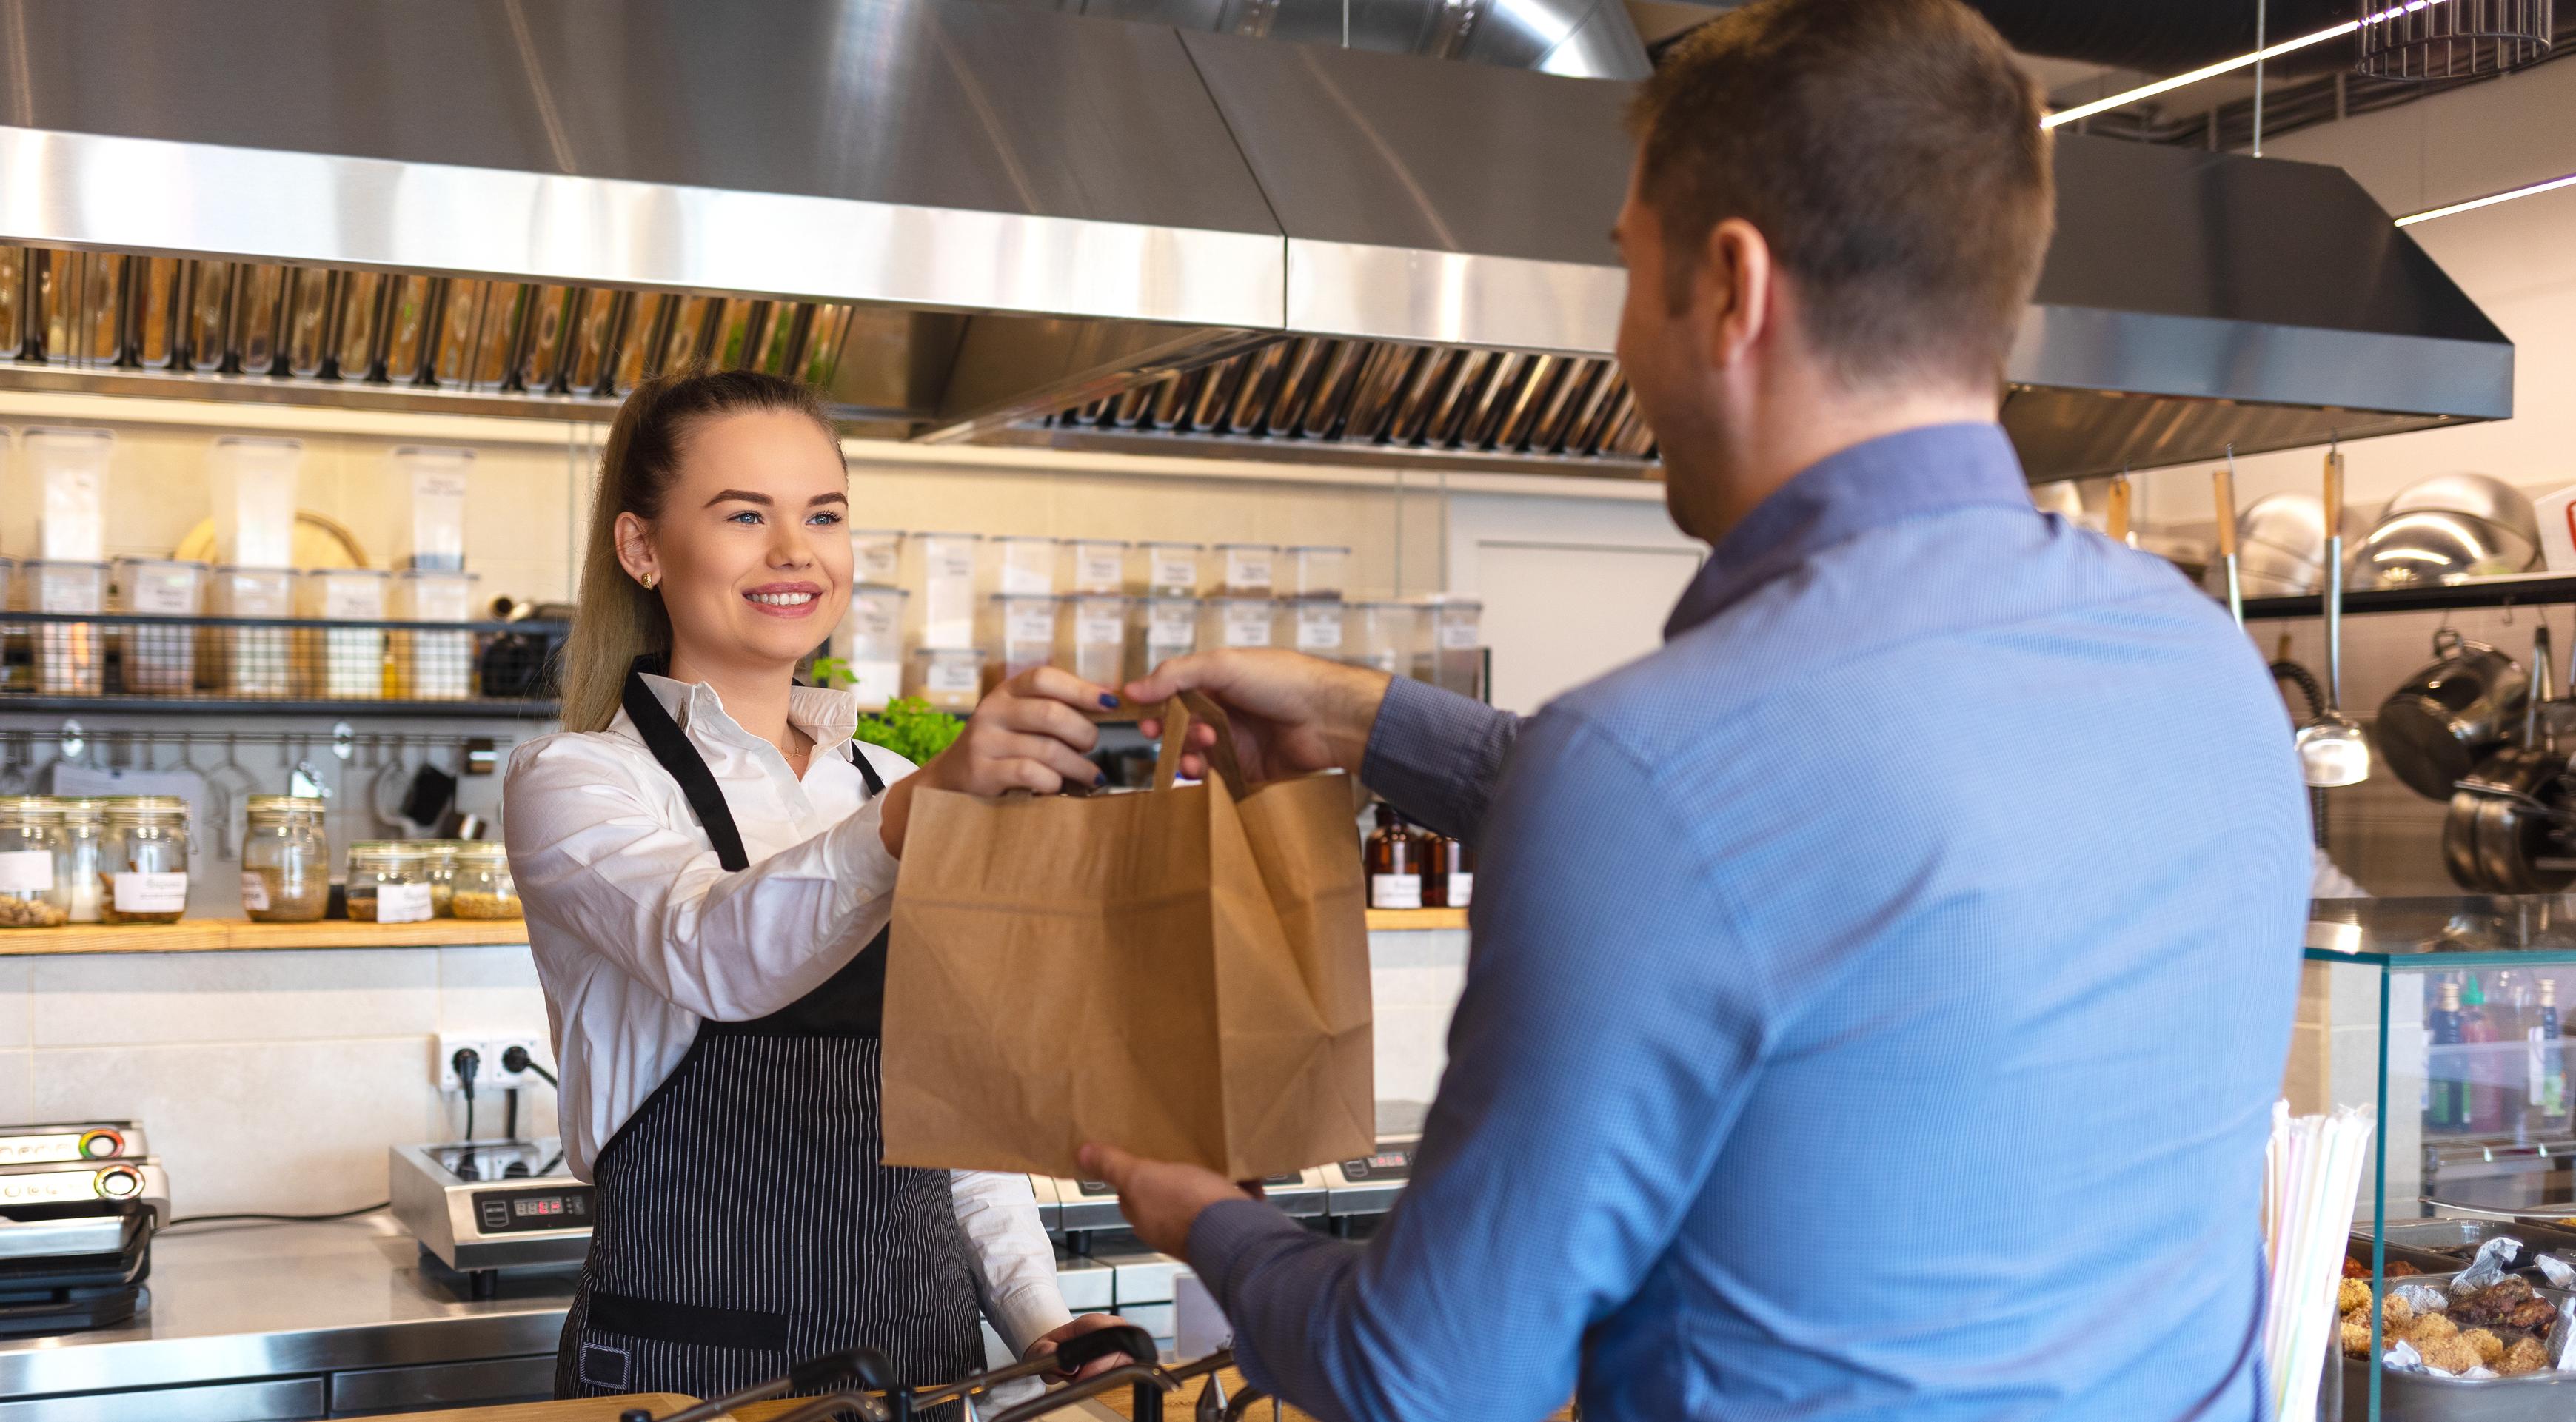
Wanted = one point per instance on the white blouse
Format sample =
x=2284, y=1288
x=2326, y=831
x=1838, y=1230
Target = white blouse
x=640, y=934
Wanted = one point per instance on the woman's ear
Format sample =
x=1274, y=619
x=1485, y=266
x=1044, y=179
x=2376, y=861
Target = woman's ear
x=635, y=550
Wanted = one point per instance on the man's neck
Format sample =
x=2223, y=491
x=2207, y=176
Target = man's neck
x=1771, y=454
x=756, y=699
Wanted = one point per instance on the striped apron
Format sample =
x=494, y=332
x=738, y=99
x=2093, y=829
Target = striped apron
x=742, y=1219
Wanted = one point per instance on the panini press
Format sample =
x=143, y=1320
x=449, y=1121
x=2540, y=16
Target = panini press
x=79, y=1204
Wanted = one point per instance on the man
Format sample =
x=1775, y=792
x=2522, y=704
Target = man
x=1878, y=993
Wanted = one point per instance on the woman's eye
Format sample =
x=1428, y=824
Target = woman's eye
x=747, y=516
x=826, y=518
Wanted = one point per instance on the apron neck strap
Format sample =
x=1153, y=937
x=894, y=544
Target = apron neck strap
x=662, y=737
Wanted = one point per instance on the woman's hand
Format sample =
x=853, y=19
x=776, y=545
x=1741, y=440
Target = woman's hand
x=1030, y=733
x=1085, y=1324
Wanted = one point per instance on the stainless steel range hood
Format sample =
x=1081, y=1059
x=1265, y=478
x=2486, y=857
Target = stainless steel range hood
x=992, y=223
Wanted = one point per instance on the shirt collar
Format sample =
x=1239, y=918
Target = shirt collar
x=1874, y=483
x=826, y=715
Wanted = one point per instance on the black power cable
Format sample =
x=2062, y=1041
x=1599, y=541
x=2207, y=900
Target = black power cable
x=469, y=1064
x=516, y=1059
x=252, y=1216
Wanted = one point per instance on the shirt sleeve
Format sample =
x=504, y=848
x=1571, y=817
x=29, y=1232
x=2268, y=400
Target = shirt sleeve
x=1437, y=756
x=1014, y=1260
x=1601, y=1052
x=593, y=857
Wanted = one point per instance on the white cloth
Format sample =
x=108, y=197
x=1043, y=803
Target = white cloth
x=640, y=934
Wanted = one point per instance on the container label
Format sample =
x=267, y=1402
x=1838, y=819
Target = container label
x=1395, y=891
x=1462, y=887
x=254, y=893
x=1319, y=629
x=952, y=675
x=1247, y=568
x=353, y=599
x=27, y=871
x=880, y=560
x=1176, y=568
x=948, y=558
x=150, y=893
x=1028, y=622
x=171, y=593
x=60, y=589
x=1099, y=569
x=1457, y=634
x=402, y=903
x=1247, y=624
x=1099, y=627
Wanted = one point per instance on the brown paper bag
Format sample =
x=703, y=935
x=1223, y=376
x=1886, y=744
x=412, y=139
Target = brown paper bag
x=1181, y=971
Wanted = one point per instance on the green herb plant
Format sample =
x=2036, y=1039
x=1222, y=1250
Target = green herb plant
x=909, y=726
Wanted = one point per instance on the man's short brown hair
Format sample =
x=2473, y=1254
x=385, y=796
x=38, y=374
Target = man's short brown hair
x=1890, y=153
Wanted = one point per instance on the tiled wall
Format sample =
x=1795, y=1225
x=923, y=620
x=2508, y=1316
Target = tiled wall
x=276, y=1080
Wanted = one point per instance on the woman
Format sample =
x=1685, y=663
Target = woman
x=708, y=865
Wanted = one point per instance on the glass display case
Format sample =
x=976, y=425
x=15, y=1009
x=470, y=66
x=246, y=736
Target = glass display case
x=2449, y=1016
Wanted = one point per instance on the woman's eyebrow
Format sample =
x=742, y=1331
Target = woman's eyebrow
x=835, y=497
x=740, y=496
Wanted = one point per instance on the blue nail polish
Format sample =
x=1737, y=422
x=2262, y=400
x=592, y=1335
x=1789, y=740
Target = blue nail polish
x=1108, y=702
x=1100, y=777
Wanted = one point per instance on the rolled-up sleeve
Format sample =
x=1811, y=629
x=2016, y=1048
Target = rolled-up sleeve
x=594, y=859
x=1437, y=756
x=1014, y=1260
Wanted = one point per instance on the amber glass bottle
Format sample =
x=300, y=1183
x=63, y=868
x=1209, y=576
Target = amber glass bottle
x=1394, y=860
x=1448, y=872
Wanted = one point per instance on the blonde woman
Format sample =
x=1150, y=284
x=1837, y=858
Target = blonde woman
x=708, y=864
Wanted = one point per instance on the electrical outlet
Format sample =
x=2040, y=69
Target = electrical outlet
x=489, y=1075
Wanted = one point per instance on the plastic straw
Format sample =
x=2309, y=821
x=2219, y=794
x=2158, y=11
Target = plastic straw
x=2311, y=1181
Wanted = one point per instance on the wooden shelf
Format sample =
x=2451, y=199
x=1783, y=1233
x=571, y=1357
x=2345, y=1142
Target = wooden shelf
x=214, y=935
x=1415, y=920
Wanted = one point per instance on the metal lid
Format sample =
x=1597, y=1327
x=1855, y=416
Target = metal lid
x=1103, y=542
x=80, y=806
x=283, y=805
x=30, y=807
x=481, y=851
x=397, y=850
x=146, y=806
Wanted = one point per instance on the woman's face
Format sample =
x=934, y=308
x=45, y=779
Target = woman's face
x=752, y=550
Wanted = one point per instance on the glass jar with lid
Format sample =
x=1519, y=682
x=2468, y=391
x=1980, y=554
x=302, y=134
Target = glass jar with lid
x=79, y=869
x=388, y=881
x=286, y=860
x=484, y=888
x=143, y=860
x=32, y=892
x=442, y=873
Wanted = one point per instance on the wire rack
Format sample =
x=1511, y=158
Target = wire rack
x=2455, y=39
x=262, y=661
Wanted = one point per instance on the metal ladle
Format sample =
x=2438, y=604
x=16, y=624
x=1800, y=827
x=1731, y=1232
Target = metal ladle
x=2223, y=483
x=2333, y=751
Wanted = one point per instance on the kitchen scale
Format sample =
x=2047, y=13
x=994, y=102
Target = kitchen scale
x=79, y=1204
x=480, y=1207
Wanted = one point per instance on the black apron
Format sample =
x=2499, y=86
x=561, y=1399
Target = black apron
x=742, y=1220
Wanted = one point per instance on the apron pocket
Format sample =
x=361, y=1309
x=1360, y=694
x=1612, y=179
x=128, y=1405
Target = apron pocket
x=687, y=1323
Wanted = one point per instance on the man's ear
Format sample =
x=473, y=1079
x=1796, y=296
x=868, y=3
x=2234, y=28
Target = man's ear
x=1734, y=284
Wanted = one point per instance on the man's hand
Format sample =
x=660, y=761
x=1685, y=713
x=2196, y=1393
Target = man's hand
x=1030, y=733
x=1085, y=1324
x=1161, y=1200
x=1291, y=713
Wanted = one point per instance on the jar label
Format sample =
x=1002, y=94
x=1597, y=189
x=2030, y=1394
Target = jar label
x=1462, y=889
x=27, y=871
x=1247, y=624
x=402, y=903
x=1457, y=634
x=1319, y=629
x=150, y=893
x=1099, y=569
x=1176, y=568
x=1395, y=891
x=254, y=893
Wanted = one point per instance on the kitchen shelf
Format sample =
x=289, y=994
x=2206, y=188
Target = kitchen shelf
x=2518, y=590
x=1415, y=920
x=482, y=708
x=214, y=935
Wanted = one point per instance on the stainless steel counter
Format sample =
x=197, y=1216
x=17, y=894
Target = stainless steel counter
x=305, y=1301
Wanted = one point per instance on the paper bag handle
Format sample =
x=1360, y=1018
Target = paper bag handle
x=1176, y=715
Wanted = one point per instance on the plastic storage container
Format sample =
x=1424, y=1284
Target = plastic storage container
x=83, y=855
x=1095, y=565
x=251, y=661
x=1316, y=626
x=943, y=587
x=1453, y=649
x=1381, y=634
x=389, y=882
x=1316, y=570
x=432, y=483
x=69, y=470
x=872, y=644
x=1172, y=569
x=433, y=666
x=160, y=660
x=1235, y=621
x=1246, y=569
x=32, y=891
x=254, y=491
x=342, y=663
x=1166, y=627
x=484, y=888
x=286, y=860
x=876, y=555
x=1019, y=633
x=1095, y=637
x=1023, y=563
x=143, y=860
x=442, y=874
x=68, y=656
x=949, y=678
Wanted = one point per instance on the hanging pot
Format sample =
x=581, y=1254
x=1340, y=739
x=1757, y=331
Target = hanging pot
x=2437, y=728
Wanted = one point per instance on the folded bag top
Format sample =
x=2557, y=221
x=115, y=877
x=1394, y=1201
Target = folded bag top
x=1181, y=971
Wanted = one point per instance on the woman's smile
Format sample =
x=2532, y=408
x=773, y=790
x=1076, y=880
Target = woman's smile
x=791, y=600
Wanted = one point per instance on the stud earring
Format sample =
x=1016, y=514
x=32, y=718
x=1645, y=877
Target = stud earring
x=648, y=580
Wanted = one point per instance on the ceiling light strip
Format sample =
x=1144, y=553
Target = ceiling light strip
x=2227, y=66
x=2489, y=200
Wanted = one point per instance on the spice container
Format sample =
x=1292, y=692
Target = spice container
x=1452, y=656
x=1394, y=863
x=81, y=862
x=69, y=469
x=1024, y=563
x=159, y=659
x=344, y=663
x=876, y=555
x=484, y=888
x=442, y=874
x=32, y=891
x=1095, y=565
x=68, y=655
x=1313, y=626
x=1236, y=622
x=1095, y=637
x=1019, y=634
x=949, y=678
x=1166, y=627
x=943, y=587
x=1381, y=635
x=143, y=860
x=388, y=882
x=285, y=861
x=1172, y=569
x=872, y=644
x=1246, y=569
x=251, y=661
x=1315, y=569
x=254, y=483
x=1448, y=871
x=432, y=483
x=433, y=666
